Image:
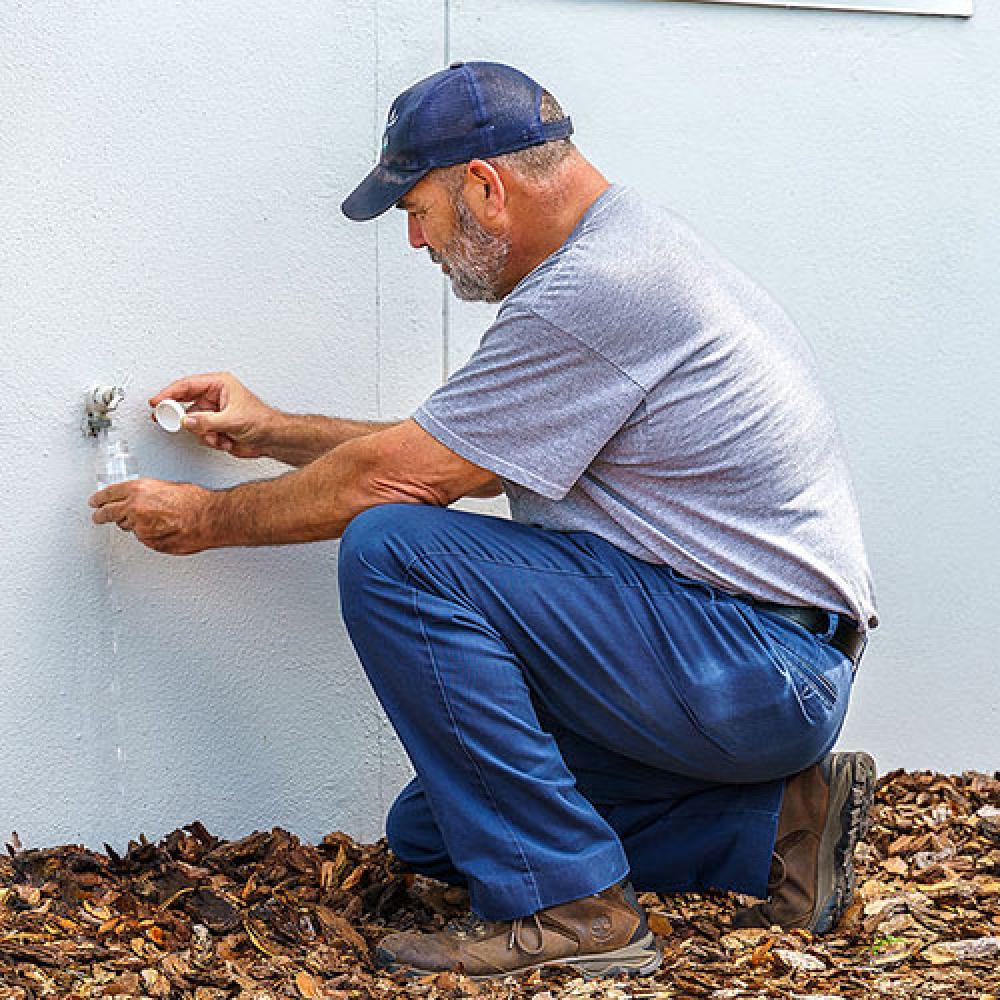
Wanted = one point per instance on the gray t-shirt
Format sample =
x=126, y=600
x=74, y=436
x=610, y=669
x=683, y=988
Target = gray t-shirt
x=639, y=386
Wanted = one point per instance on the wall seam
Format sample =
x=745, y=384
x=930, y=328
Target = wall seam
x=376, y=144
x=381, y=723
x=445, y=301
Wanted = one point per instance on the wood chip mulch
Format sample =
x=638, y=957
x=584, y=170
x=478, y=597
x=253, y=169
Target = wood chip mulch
x=197, y=918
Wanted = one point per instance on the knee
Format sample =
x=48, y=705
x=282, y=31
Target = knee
x=397, y=830
x=411, y=832
x=374, y=540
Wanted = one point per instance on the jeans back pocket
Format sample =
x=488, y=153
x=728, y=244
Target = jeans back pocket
x=807, y=676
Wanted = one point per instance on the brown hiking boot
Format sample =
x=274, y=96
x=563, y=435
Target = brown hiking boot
x=601, y=935
x=824, y=814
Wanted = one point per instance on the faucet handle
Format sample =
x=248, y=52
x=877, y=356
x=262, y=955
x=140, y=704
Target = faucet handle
x=101, y=401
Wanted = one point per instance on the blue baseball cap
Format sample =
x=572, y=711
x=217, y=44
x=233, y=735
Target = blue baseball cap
x=471, y=110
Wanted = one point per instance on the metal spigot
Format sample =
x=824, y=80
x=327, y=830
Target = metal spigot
x=100, y=401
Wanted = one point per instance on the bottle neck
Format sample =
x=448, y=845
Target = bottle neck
x=110, y=439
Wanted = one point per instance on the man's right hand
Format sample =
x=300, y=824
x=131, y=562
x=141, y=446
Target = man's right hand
x=224, y=414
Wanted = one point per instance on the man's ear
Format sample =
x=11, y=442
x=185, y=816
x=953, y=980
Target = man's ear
x=485, y=193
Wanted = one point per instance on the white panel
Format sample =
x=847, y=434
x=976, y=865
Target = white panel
x=411, y=47
x=944, y=8
x=848, y=163
x=409, y=323
x=170, y=196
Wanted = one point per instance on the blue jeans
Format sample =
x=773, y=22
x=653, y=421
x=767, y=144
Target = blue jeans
x=573, y=713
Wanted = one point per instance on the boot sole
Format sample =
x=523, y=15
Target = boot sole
x=852, y=783
x=642, y=958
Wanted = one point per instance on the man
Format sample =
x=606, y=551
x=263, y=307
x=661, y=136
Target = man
x=635, y=683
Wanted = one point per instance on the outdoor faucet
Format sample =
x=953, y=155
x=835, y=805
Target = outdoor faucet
x=101, y=401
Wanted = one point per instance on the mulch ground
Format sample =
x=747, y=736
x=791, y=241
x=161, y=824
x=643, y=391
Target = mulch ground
x=199, y=918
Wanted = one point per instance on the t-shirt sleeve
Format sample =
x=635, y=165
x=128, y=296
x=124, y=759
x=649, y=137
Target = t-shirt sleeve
x=533, y=404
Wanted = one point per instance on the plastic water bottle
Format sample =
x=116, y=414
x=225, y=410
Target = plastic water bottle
x=115, y=463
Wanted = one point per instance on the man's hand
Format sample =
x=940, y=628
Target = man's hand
x=224, y=414
x=168, y=517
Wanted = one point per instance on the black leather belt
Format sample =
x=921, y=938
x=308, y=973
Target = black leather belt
x=847, y=637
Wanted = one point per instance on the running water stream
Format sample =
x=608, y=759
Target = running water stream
x=112, y=704
x=114, y=464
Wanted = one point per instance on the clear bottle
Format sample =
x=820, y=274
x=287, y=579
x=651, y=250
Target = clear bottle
x=115, y=463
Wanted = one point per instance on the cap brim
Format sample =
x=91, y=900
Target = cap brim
x=378, y=192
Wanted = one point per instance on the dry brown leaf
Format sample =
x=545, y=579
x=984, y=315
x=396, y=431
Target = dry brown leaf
x=337, y=928
x=101, y=913
x=896, y=866
x=157, y=936
x=799, y=961
x=743, y=938
x=126, y=984
x=762, y=953
x=307, y=985
x=973, y=950
x=29, y=895
x=326, y=873
x=354, y=879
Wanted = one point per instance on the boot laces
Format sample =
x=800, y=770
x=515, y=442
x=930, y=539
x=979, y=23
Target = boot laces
x=471, y=925
x=517, y=936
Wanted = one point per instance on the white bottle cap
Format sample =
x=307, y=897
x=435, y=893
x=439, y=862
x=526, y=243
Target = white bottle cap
x=170, y=415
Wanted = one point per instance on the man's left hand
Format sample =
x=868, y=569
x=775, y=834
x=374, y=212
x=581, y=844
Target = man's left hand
x=168, y=517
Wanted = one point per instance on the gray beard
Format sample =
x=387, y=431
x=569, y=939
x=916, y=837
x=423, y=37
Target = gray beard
x=475, y=258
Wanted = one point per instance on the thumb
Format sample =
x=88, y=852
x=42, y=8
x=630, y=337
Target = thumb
x=207, y=420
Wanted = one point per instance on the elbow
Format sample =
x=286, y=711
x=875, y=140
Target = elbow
x=370, y=487
x=404, y=465
x=396, y=491
x=360, y=505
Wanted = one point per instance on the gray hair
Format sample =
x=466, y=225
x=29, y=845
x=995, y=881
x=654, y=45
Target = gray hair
x=536, y=164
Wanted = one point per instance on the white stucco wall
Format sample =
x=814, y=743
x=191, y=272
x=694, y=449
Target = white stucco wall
x=169, y=202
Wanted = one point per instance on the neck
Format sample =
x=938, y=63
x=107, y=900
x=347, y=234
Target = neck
x=542, y=218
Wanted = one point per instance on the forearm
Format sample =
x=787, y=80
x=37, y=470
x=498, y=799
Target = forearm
x=298, y=439
x=310, y=504
x=402, y=464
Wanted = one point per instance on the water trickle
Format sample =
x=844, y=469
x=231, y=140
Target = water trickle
x=103, y=700
x=112, y=703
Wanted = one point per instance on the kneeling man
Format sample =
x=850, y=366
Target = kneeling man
x=635, y=683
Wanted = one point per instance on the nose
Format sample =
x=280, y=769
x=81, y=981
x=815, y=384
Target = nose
x=415, y=233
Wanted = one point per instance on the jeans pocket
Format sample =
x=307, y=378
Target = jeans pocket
x=808, y=677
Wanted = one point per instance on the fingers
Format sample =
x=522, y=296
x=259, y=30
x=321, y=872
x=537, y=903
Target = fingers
x=163, y=516
x=221, y=411
x=220, y=442
x=112, y=504
x=190, y=388
x=112, y=494
x=116, y=513
x=208, y=422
